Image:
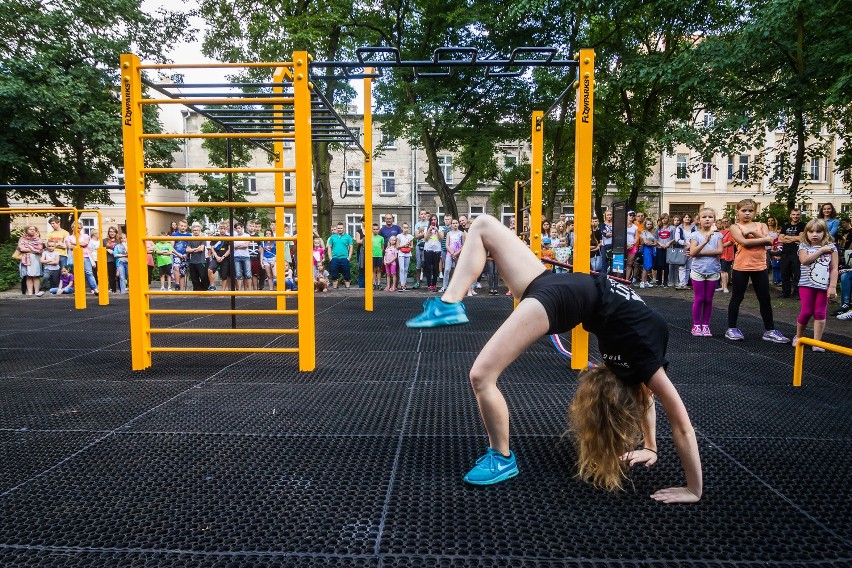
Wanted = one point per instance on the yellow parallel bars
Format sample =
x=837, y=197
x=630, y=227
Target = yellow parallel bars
x=77, y=257
x=799, y=357
x=304, y=208
x=583, y=190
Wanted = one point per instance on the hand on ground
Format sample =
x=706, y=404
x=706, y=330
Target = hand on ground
x=647, y=457
x=675, y=495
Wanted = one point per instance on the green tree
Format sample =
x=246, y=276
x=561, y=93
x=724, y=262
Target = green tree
x=271, y=30
x=59, y=101
x=783, y=68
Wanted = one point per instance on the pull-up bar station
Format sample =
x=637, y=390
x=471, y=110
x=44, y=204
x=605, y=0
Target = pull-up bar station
x=290, y=109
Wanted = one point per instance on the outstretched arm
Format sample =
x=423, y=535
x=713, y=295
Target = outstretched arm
x=684, y=439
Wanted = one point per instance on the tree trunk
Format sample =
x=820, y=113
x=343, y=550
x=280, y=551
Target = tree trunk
x=323, y=187
x=435, y=177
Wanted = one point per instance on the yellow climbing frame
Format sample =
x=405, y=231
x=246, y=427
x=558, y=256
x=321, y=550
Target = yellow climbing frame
x=141, y=329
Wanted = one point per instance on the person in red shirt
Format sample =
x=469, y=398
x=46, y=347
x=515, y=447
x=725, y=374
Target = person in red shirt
x=727, y=258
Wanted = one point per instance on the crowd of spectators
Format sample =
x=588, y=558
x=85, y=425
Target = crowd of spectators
x=660, y=252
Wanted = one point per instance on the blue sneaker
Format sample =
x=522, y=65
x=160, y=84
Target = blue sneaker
x=492, y=468
x=437, y=313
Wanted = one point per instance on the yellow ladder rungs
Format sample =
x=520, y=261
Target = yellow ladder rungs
x=226, y=330
x=220, y=101
x=215, y=171
x=221, y=293
x=234, y=204
x=257, y=350
x=222, y=312
x=177, y=136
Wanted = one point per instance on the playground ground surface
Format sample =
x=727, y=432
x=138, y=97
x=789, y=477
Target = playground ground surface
x=241, y=460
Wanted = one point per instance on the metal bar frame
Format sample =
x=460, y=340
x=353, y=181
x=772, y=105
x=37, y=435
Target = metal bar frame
x=799, y=356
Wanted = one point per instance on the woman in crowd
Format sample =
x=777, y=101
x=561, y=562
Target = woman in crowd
x=828, y=214
x=773, y=251
x=29, y=267
x=113, y=238
x=664, y=240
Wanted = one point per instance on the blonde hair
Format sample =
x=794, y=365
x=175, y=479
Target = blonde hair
x=710, y=209
x=743, y=203
x=605, y=422
x=816, y=224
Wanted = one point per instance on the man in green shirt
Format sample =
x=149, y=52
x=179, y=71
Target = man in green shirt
x=339, y=250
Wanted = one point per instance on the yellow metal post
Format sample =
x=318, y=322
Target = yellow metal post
x=278, y=148
x=583, y=190
x=536, y=180
x=79, y=267
x=368, y=193
x=103, y=279
x=304, y=209
x=134, y=190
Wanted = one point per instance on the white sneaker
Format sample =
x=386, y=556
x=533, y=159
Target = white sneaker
x=478, y=285
x=40, y=293
x=641, y=284
x=442, y=290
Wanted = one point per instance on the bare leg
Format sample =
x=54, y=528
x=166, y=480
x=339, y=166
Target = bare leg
x=819, y=327
x=516, y=263
x=526, y=324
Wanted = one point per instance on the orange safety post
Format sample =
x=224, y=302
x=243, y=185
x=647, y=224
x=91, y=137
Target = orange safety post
x=583, y=190
x=536, y=182
x=304, y=208
x=367, y=245
x=134, y=191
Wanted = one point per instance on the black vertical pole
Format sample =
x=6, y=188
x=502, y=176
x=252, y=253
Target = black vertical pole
x=231, y=220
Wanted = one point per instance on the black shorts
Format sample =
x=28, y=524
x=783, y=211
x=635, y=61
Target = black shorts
x=568, y=298
x=165, y=270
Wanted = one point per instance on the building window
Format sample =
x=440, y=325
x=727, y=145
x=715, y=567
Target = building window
x=250, y=184
x=353, y=223
x=707, y=169
x=388, y=182
x=815, y=169
x=446, y=165
x=476, y=211
x=439, y=213
x=568, y=210
x=779, y=171
x=509, y=162
x=88, y=225
x=682, y=171
x=743, y=170
x=506, y=214
x=709, y=119
x=290, y=224
x=288, y=182
x=118, y=174
x=356, y=134
x=388, y=142
x=353, y=181
x=682, y=208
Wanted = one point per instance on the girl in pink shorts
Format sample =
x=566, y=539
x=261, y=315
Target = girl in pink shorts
x=391, y=254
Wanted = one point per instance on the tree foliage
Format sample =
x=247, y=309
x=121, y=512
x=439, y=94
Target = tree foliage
x=59, y=101
x=776, y=70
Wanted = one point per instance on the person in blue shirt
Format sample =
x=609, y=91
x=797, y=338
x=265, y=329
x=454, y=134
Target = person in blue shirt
x=339, y=248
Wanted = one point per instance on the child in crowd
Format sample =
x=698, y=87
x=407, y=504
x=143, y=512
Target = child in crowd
x=378, y=243
x=121, y=263
x=391, y=255
x=289, y=280
x=66, y=282
x=405, y=241
x=751, y=239
x=705, y=248
x=649, y=252
x=319, y=251
x=818, y=280
x=163, y=252
x=50, y=260
x=267, y=260
x=454, y=240
x=320, y=278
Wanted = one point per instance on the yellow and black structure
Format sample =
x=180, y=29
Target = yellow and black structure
x=265, y=115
